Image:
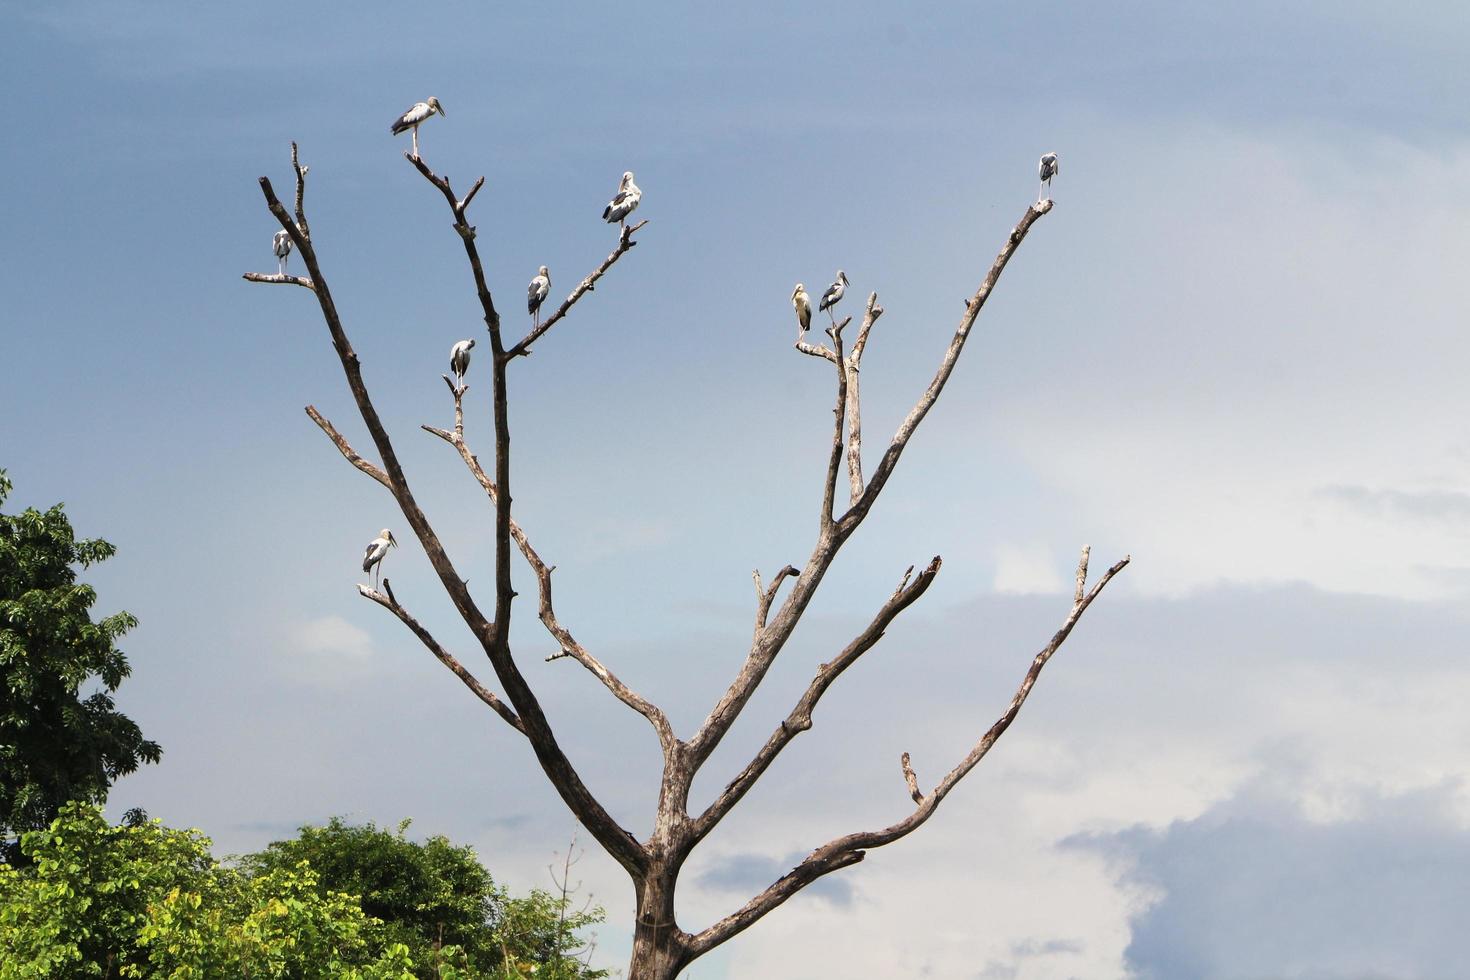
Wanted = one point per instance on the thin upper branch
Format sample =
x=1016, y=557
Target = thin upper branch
x=852, y=848
x=834, y=459
x=769, y=641
x=926, y=401
x=854, y=398
x=278, y=278
x=764, y=597
x=568, y=644
x=345, y=448
x=389, y=601
x=625, y=242
x=301, y=170
x=617, y=841
x=800, y=718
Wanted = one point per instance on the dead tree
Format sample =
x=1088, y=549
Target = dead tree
x=661, y=948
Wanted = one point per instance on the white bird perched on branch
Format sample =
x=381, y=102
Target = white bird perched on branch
x=833, y=295
x=624, y=202
x=281, y=245
x=1048, y=170
x=803, y=304
x=536, y=294
x=373, y=557
x=459, y=360
x=414, y=118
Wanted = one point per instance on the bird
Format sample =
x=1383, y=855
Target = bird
x=536, y=294
x=281, y=244
x=803, y=304
x=833, y=295
x=414, y=118
x=459, y=359
x=625, y=201
x=1049, y=169
x=373, y=557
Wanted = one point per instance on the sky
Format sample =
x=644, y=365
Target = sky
x=1233, y=350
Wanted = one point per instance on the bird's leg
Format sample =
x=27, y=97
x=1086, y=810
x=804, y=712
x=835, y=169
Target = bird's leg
x=415, y=142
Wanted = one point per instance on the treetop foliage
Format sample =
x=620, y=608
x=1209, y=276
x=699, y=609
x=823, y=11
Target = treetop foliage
x=55, y=744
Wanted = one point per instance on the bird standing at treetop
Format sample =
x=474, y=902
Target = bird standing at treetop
x=833, y=295
x=373, y=557
x=803, y=305
x=281, y=245
x=624, y=202
x=536, y=294
x=459, y=360
x=414, y=118
x=1048, y=170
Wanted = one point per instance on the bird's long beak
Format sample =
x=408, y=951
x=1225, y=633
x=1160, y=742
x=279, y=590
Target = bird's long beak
x=844, y=280
x=392, y=541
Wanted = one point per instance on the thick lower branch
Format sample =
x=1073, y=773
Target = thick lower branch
x=848, y=850
x=389, y=601
x=800, y=718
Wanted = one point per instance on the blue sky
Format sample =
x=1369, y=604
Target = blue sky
x=1234, y=350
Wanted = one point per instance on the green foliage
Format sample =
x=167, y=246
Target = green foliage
x=56, y=745
x=147, y=901
x=437, y=900
x=95, y=900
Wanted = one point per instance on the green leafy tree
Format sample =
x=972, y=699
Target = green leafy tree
x=148, y=901
x=435, y=897
x=56, y=745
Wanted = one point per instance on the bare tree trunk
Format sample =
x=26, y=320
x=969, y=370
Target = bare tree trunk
x=660, y=947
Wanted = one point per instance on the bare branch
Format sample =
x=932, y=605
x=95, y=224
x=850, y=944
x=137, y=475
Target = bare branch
x=769, y=641
x=910, y=779
x=800, y=718
x=818, y=350
x=569, y=647
x=625, y=242
x=854, y=397
x=834, y=460
x=301, y=170
x=492, y=635
x=346, y=450
x=906, y=429
x=765, y=597
x=848, y=850
x=270, y=277
x=1082, y=574
x=390, y=602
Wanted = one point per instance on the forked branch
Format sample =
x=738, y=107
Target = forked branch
x=846, y=851
x=389, y=601
x=625, y=242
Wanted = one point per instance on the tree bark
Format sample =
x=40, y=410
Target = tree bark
x=660, y=947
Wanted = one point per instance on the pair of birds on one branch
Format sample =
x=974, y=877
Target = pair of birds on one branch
x=802, y=302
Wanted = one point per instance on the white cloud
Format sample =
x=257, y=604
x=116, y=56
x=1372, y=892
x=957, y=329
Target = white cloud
x=330, y=637
x=1026, y=570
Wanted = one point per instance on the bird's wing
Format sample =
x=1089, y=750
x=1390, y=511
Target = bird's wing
x=367, y=557
x=534, y=295
x=830, y=296
x=417, y=114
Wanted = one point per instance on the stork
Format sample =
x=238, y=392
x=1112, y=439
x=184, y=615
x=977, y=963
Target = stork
x=803, y=304
x=459, y=360
x=373, y=557
x=281, y=245
x=536, y=294
x=414, y=118
x=624, y=202
x=833, y=295
x=1049, y=169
